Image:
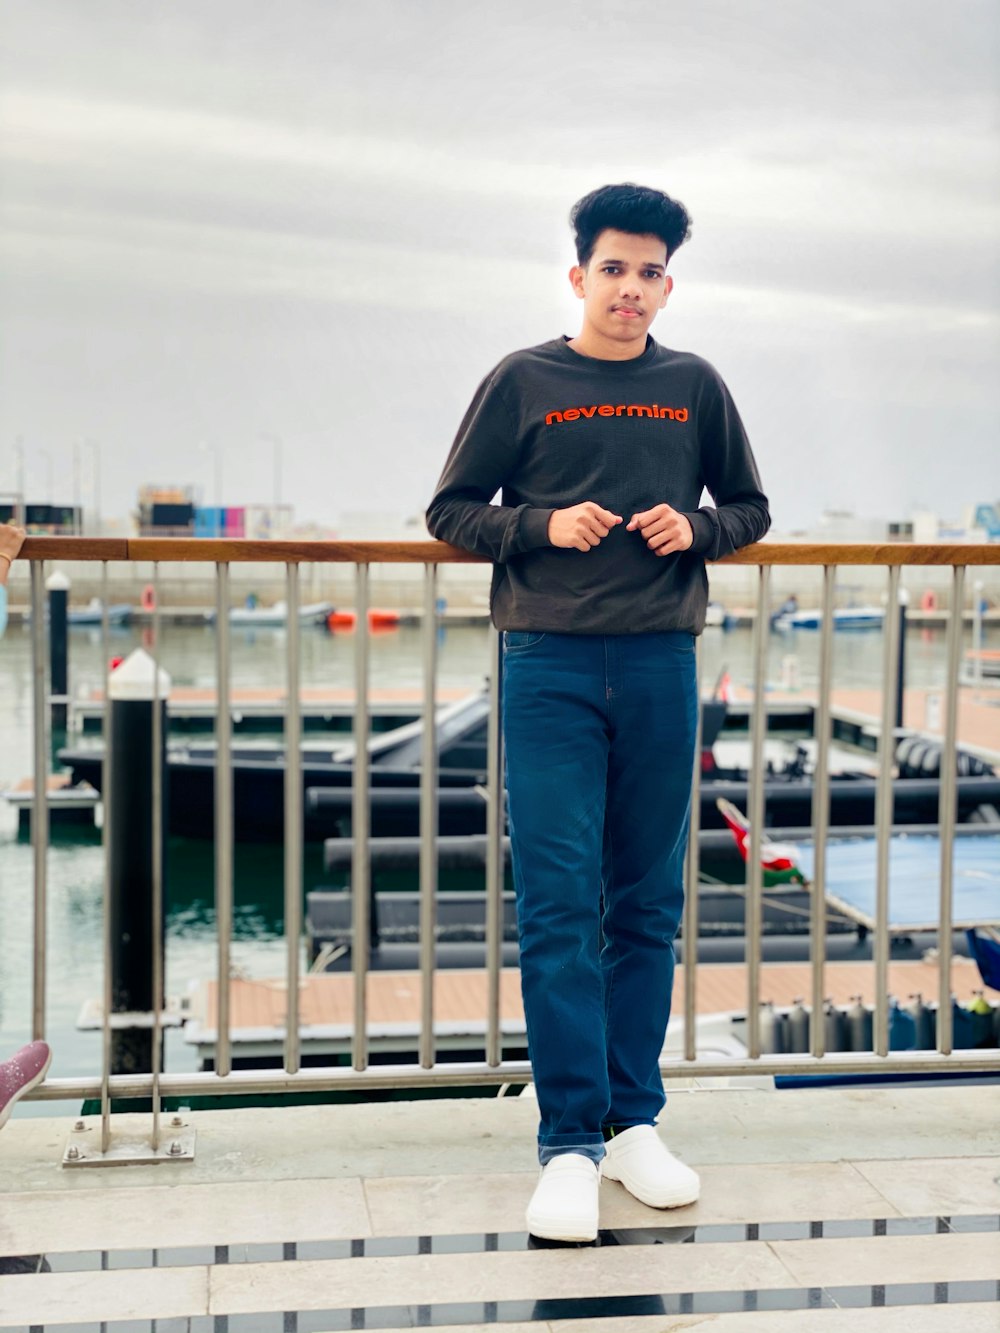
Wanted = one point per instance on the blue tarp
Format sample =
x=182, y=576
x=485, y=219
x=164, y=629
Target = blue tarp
x=914, y=878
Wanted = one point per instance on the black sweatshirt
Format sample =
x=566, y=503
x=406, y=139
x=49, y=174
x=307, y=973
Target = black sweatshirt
x=552, y=428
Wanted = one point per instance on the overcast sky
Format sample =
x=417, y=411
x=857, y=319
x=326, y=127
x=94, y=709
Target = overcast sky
x=225, y=221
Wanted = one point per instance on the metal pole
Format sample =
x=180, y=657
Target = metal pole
x=223, y=818
x=428, y=821
x=884, y=812
x=947, y=812
x=977, y=633
x=755, y=877
x=158, y=846
x=106, y=783
x=40, y=812
x=821, y=815
x=690, y=928
x=361, y=865
x=494, y=850
x=293, y=822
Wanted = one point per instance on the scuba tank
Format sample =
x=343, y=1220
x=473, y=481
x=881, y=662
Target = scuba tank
x=902, y=1028
x=798, y=1028
x=859, y=1025
x=924, y=1022
x=772, y=1033
x=835, y=1027
x=980, y=1014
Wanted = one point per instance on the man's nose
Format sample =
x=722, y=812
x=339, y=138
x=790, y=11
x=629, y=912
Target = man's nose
x=630, y=286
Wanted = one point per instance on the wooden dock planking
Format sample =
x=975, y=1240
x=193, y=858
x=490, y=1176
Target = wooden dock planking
x=326, y=999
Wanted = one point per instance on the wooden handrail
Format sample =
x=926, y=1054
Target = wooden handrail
x=211, y=550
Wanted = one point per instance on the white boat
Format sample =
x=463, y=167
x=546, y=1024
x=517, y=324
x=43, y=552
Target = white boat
x=845, y=617
x=263, y=617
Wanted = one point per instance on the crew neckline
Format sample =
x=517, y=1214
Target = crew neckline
x=616, y=367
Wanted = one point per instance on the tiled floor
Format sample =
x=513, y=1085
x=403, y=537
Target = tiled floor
x=880, y=1206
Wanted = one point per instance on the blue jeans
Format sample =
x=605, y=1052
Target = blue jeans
x=599, y=733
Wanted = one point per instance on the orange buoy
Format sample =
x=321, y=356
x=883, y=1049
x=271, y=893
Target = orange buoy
x=928, y=600
x=340, y=620
x=148, y=598
x=383, y=619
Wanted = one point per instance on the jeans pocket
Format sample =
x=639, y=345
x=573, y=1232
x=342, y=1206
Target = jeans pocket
x=515, y=639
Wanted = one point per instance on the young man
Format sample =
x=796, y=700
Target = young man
x=601, y=445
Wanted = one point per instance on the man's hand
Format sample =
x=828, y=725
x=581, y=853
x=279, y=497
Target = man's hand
x=11, y=541
x=663, y=529
x=581, y=526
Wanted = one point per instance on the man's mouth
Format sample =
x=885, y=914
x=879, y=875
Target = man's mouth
x=627, y=311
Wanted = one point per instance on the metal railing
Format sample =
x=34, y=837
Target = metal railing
x=493, y=1069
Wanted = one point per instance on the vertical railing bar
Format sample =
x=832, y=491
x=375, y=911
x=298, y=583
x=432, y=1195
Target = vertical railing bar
x=40, y=811
x=693, y=865
x=293, y=820
x=158, y=836
x=428, y=821
x=947, y=792
x=755, y=802
x=223, y=819
x=494, y=850
x=821, y=815
x=106, y=777
x=360, y=822
x=884, y=813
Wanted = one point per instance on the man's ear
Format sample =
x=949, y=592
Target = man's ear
x=668, y=287
x=576, y=280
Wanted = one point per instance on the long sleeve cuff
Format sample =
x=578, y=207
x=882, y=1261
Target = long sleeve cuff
x=534, y=528
x=703, y=529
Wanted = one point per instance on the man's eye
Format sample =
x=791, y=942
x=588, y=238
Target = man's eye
x=610, y=268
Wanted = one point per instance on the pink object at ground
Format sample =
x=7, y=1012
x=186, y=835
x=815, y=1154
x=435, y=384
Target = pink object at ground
x=22, y=1072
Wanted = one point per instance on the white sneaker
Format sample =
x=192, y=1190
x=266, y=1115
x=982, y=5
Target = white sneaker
x=639, y=1158
x=564, y=1205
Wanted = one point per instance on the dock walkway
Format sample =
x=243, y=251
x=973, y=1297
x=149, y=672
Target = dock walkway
x=872, y=1210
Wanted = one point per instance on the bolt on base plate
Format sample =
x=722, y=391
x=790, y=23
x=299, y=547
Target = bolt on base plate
x=84, y=1147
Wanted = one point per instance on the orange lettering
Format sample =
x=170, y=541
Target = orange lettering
x=587, y=412
x=605, y=410
x=636, y=411
x=681, y=414
x=571, y=414
x=553, y=417
x=667, y=412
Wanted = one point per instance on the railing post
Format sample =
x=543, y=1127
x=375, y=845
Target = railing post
x=428, y=821
x=494, y=849
x=947, y=794
x=106, y=837
x=40, y=808
x=693, y=866
x=821, y=814
x=755, y=801
x=360, y=825
x=884, y=812
x=223, y=820
x=293, y=821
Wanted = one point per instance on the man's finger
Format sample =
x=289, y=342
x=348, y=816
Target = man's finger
x=606, y=516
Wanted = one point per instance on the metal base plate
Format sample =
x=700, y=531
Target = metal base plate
x=84, y=1149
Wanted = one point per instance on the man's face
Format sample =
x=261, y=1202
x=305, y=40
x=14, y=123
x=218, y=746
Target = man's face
x=622, y=287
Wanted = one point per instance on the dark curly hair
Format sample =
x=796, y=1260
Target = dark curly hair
x=631, y=208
